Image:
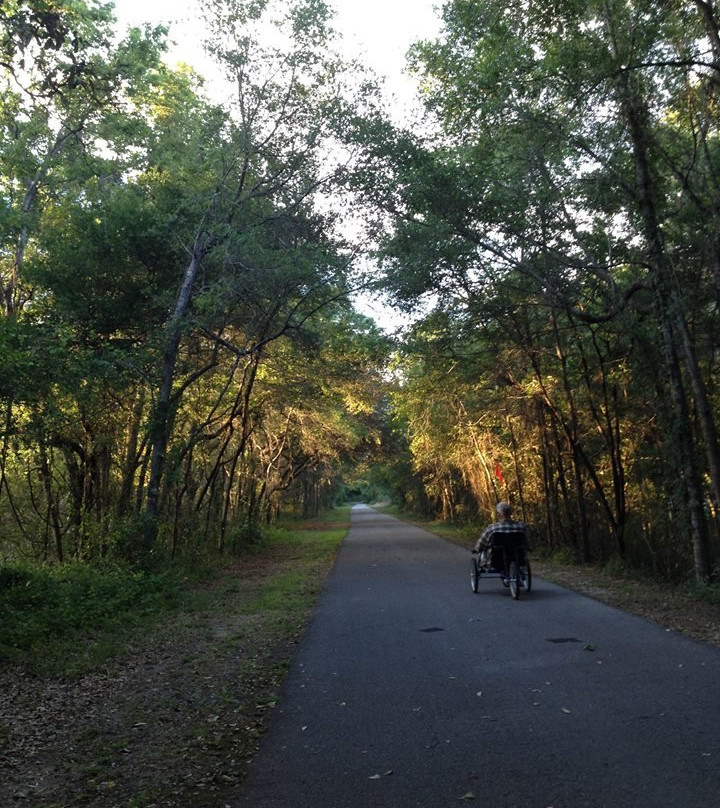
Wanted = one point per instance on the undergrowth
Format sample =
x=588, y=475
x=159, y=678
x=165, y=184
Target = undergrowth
x=70, y=618
x=42, y=608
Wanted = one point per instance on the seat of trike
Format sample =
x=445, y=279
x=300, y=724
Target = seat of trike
x=506, y=546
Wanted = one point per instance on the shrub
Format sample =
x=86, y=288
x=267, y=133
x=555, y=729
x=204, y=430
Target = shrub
x=39, y=605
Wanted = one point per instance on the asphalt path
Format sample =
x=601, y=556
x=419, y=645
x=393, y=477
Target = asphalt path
x=410, y=690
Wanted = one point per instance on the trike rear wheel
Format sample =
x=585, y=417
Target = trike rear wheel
x=515, y=580
x=526, y=576
x=474, y=575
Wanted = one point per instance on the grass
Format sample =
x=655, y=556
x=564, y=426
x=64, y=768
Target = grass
x=284, y=593
x=45, y=611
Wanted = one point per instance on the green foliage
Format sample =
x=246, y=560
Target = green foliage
x=615, y=567
x=74, y=617
x=705, y=594
x=245, y=535
x=564, y=556
x=177, y=354
x=41, y=606
x=33, y=357
x=569, y=164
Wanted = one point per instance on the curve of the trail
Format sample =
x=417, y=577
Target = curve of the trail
x=410, y=690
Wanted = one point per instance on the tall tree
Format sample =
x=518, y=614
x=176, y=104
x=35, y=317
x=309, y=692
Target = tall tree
x=65, y=91
x=253, y=233
x=566, y=138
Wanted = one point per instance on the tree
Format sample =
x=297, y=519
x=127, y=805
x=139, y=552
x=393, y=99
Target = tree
x=66, y=97
x=66, y=94
x=567, y=136
x=172, y=251
x=253, y=204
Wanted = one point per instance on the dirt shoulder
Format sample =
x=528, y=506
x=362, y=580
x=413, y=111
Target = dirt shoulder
x=175, y=721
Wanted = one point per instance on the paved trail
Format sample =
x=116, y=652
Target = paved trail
x=409, y=690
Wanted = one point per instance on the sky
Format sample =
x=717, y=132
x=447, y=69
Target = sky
x=379, y=32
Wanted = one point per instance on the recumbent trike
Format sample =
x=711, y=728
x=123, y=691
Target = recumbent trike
x=506, y=559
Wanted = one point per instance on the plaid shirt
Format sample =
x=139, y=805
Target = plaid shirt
x=506, y=526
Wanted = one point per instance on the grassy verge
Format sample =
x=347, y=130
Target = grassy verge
x=56, y=619
x=172, y=714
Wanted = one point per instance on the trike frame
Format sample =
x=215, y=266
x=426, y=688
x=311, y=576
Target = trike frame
x=508, y=560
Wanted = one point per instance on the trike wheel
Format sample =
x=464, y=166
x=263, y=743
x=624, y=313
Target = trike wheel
x=526, y=576
x=474, y=575
x=514, y=576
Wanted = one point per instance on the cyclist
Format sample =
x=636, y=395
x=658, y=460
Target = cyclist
x=505, y=524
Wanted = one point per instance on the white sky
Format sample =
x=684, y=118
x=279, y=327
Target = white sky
x=379, y=32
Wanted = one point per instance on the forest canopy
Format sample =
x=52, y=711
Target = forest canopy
x=179, y=357
x=562, y=223
x=180, y=361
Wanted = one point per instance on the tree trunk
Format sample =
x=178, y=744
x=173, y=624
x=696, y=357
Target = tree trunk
x=608, y=425
x=53, y=512
x=162, y=415
x=669, y=311
x=131, y=455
